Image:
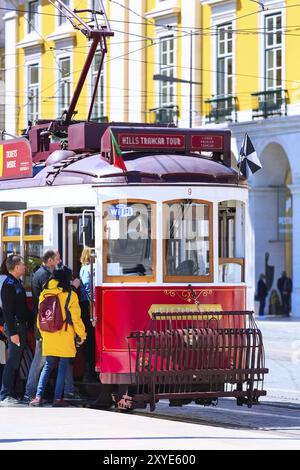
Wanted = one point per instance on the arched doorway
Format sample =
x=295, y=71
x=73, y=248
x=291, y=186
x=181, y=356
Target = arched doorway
x=271, y=209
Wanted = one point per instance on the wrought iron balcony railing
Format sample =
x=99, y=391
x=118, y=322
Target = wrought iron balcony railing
x=166, y=114
x=223, y=108
x=269, y=103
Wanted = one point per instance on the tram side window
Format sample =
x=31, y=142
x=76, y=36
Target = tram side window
x=11, y=233
x=188, y=241
x=128, y=241
x=33, y=243
x=231, y=241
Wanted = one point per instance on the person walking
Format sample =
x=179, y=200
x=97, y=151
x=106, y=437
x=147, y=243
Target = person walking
x=262, y=292
x=285, y=287
x=85, y=299
x=17, y=317
x=50, y=260
x=59, y=346
x=3, y=276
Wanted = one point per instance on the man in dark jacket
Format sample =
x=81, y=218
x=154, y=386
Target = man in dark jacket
x=262, y=292
x=285, y=287
x=17, y=316
x=50, y=260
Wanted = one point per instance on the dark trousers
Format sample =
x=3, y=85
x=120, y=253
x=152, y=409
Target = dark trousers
x=12, y=365
x=89, y=344
x=286, y=303
x=262, y=304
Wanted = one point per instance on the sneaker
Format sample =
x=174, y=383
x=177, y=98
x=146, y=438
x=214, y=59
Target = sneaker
x=37, y=401
x=10, y=401
x=26, y=400
x=73, y=397
x=61, y=402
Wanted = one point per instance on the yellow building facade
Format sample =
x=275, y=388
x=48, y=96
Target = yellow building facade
x=193, y=63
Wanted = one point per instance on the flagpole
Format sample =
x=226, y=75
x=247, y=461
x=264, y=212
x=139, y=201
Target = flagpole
x=116, y=150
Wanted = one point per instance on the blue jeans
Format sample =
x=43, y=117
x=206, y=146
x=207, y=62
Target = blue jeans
x=35, y=371
x=13, y=362
x=63, y=363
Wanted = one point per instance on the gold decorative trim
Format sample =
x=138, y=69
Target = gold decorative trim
x=187, y=294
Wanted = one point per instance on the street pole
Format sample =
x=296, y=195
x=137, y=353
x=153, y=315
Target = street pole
x=191, y=79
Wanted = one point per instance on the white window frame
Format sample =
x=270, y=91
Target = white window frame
x=274, y=7
x=273, y=48
x=171, y=66
x=226, y=56
x=35, y=95
x=65, y=25
x=60, y=58
x=222, y=14
x=102, y=102
x=160, y=34
x=32, y=60
x=36, y=29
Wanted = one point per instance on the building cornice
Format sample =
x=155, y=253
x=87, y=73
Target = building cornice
x=216, y=2
x=159, y=13
x=30, y=40
x=11, y=15
x=272, y=126
x=60, y=35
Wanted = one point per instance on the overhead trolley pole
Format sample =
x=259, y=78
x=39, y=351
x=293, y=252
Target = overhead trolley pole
x=97, y=33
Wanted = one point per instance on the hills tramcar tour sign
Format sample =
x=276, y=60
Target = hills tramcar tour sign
x=15, y=159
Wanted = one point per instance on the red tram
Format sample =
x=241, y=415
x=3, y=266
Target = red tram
x=173, y=242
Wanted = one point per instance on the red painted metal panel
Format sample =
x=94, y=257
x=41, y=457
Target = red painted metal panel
x=207, y=142
x=121, y=310
x=15, y=159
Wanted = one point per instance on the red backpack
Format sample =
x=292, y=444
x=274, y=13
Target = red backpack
x=50, y=314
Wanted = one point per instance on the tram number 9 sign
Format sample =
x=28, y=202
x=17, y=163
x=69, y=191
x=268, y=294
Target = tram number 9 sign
x=15, y=159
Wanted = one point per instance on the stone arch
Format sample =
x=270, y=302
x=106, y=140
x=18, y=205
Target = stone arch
x=275, y=167
x=271, y=208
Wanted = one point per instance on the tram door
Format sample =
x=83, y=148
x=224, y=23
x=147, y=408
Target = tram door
x=72, y=248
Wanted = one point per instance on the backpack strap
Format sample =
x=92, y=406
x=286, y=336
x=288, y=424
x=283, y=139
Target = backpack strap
x=68, y=313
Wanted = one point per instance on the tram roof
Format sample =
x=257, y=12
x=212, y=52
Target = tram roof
x=162, y=168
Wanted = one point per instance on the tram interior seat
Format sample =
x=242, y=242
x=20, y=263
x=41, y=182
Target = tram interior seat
x=187, y=267
x=134, y=256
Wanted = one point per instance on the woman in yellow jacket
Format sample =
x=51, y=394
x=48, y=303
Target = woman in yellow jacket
x=59, y=346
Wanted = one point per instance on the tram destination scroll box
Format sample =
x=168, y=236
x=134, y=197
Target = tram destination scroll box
x=169, y=140
x=15, y=159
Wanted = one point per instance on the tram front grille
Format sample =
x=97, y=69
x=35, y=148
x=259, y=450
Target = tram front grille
x=207, y=355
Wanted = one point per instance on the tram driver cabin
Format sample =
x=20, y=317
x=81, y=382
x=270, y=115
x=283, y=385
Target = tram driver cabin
x=173, y=243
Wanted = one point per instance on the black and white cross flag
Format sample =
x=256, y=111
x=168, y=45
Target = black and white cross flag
x=248, y=162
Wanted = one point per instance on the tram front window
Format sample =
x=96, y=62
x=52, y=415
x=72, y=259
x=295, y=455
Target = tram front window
x=129, y=244
x=188, y=241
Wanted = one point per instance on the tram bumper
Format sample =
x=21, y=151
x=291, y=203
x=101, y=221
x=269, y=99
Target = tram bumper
x=186, y=357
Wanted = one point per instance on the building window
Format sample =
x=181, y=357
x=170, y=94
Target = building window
x=64, y=90
x=231, y=241
x=33, y=92
x=33, y=16
x=167, y=67
x=129, y=241
x=273, y=51
x=61, y=18
x=188, y=243
x=224, y=60
x=99, y=104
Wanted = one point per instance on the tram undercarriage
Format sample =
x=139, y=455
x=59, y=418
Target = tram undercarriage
x=190, y=357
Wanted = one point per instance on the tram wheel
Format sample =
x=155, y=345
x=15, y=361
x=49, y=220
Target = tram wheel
x=104, y=401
